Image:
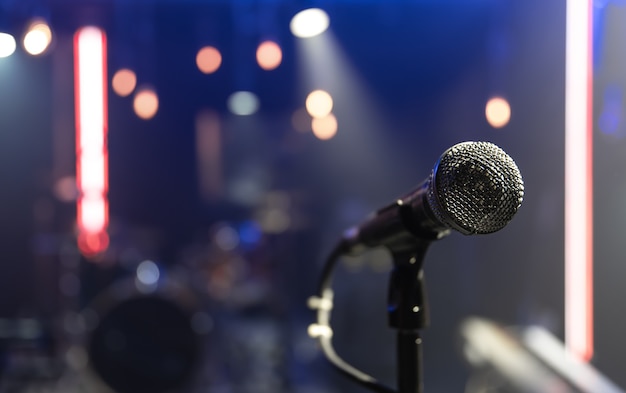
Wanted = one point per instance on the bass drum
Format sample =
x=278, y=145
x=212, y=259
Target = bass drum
x=146, y=339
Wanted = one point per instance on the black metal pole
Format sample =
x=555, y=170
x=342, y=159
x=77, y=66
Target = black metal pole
x=410, y=372
x=408, y=313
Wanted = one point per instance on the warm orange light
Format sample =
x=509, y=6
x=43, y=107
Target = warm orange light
x=124, y=82
x=269, y=55
x=38, y=38
x=324, y=127
x=319, y=103
x=208, y=59
x=146, y=103
x=498, y=112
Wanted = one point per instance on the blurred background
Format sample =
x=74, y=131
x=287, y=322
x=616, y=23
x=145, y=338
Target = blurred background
x=174, y=172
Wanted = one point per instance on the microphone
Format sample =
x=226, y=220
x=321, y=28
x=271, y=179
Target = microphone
x=474, y=188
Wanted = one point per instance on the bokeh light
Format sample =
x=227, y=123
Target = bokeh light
x=319, y=103
x=269, y=55
x=76, y=357
x=301, y=120
x=273, y=220
x=65, y=189
x=38, y=38
x=146, y=103
x=309, y=23
x=498, y=112
x=243, y=103
x=124, y=82
x=208, y=59
x=7, y=45
x=226, y=238
x=148, y=273
x=324, y=127
x=249, y=232
x=91, y=244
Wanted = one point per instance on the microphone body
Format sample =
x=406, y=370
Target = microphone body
x=474, y=188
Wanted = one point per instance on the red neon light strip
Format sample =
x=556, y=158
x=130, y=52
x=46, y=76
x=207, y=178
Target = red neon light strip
x=90, y=77
x=579, y=180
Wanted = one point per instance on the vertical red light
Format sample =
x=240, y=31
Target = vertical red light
x=579, y=180
x=90, y=80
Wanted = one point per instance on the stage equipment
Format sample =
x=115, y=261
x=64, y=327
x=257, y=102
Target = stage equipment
x=145, y=339
x=526, y=360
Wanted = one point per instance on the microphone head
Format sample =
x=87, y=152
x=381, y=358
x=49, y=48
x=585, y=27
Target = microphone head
x=475, y=188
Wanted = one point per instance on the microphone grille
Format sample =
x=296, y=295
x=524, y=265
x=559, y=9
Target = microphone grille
x=475, y=188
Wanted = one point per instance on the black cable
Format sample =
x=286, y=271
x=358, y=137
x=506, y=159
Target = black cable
x=324, y=305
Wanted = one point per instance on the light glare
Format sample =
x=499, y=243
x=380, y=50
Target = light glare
x=93, y=214
x=309, y=23
x=124, y=82
x=90, y=43
x=7, y=45
x=92, y=165
x=38, y=38
x=315, y=330
x=498, y=112
x=319, y=103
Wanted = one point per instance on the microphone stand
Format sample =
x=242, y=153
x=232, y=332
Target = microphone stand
x=408, y=314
